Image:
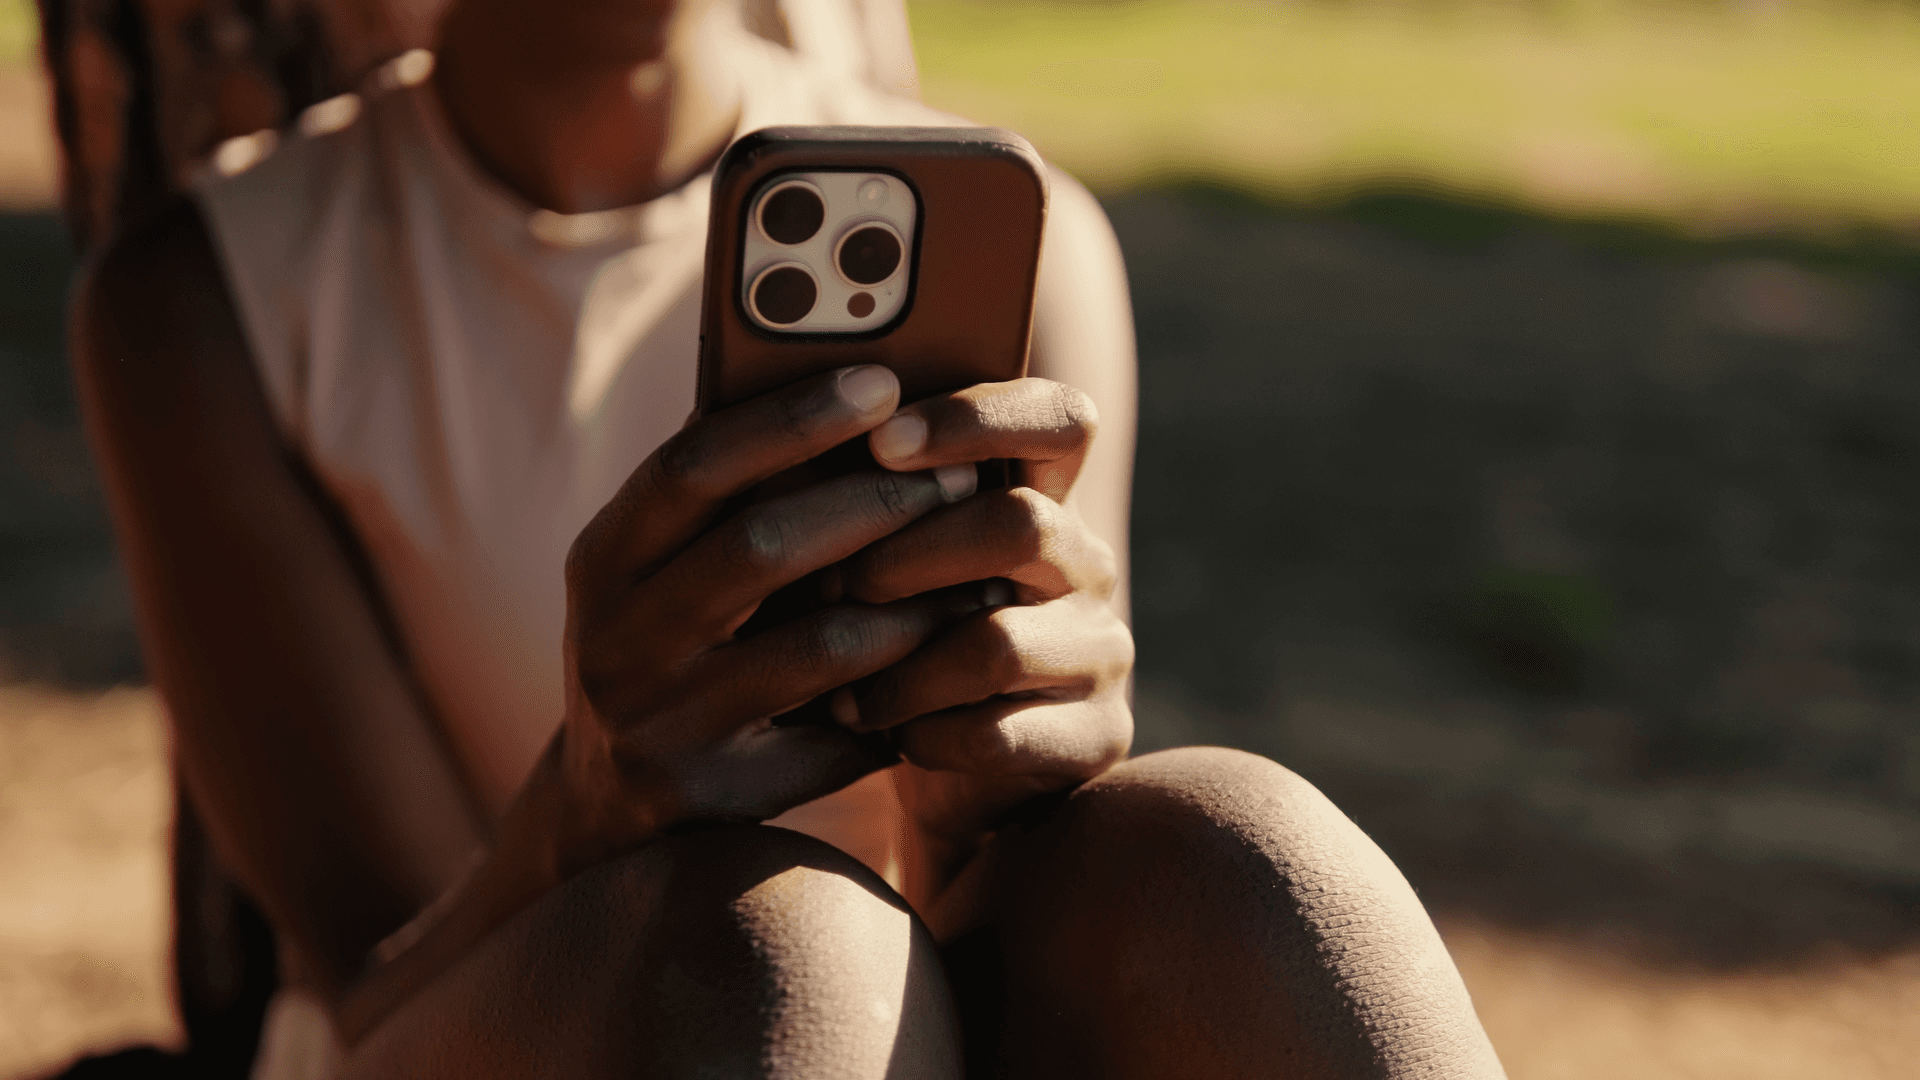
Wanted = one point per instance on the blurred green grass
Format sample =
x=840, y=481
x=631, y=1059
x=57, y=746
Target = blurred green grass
x=1728, y=118
x=19, y=31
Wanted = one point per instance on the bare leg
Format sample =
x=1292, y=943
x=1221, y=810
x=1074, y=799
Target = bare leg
x=1205, y=912
x=731, y=952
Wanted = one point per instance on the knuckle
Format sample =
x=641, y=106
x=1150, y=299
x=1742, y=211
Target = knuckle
x=991, y=412
x=757, y=542
x=978, y=411
x=1115, y=741
x=1027, y=521
x=600, y=689
x=992, y=748
x=581, y=562
x=893, y=494
x=813, y=647
x=997, y=651
x=1120, y=654
x=835, y=641
x=681, y=465
x=794, y=415
x=1074, y=412
x=600, y=676
x=1102, y=567
x=1103, y=650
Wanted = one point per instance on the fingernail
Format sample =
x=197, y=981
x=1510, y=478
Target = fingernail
x=956, y=481
x=845, y=710
x=868, y=388
x=997, y=593
x=899, y=438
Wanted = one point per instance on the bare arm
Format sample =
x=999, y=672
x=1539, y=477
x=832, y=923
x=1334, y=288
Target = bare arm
x=297, y=730
x=1083, y=337
x=300, y=735
x=1071, y=642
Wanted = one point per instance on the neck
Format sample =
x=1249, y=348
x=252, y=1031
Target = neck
x=590, y=104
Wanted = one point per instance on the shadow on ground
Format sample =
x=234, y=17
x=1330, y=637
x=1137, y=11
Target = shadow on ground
x=1581, y=565
x=64, y=614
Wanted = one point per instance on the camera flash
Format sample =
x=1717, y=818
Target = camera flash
x=873, y=194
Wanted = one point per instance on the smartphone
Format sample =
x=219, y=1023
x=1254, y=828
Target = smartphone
x=916, y=248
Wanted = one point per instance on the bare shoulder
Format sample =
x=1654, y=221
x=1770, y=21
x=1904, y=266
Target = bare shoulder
x=167, y=252
x=157, y=344
x=1078, y=232
x=156, y=287
x=1083, y=316
x=173, y=405
x=1083, y=337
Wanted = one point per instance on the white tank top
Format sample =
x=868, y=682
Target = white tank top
x=472, y=379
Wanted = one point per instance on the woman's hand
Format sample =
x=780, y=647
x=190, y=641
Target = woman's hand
x=669, y=718
x=1029, y=695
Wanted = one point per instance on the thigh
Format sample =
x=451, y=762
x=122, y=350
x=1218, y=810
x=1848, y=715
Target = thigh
x=729, y=952
x=1206, y=912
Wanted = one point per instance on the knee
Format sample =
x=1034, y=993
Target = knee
x=1238, y=905
x=1245, y=853
x=1208, y=788
x=773, y=951
x=1179, y=817
x=766, y=883
x=732, y=951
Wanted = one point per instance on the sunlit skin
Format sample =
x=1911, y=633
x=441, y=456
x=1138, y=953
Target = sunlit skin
x=1198, y=912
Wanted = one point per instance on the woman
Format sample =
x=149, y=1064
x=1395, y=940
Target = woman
x=440, y=594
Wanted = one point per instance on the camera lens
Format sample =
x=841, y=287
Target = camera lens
x=869, y=255
x=784, y=295
x=792, y=214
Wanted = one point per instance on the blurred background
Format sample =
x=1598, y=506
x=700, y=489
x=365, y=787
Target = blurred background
x=1530, y=435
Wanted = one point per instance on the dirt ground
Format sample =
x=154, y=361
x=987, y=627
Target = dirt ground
x=83, y=800
x=84, y=803
x=1583, y=570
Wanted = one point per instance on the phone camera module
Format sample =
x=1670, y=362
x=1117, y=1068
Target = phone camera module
x=783, y=295
x=792, y=213
x=868, y=255
x=825, y=252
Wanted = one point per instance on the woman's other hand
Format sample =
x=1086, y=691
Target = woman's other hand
x=669, y=717
x=1028, y=695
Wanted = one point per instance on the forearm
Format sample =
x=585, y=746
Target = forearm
x=298, y=732
x=544, y=839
